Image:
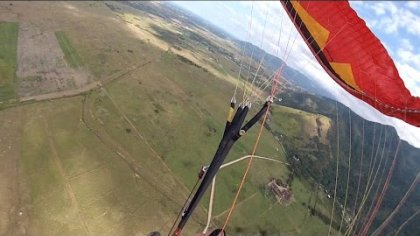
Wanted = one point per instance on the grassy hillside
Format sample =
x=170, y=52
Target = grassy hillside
x=119, y=156
x=371, y=148
x=78, y=185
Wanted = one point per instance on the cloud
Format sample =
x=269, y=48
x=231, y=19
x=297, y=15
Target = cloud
x=410, y=21
x=413, y=5
x=411, y=78
x=406, y=44
x=408, y=65
x=392, y=18
x=246, y=3
x=380, y=9
x=409, y=57
x=372, y=23
x=357, y=3
x=388, y=48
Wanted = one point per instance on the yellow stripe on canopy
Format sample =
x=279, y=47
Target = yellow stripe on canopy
x=345, y=72
x=318, y=32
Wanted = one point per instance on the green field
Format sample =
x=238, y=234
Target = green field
x=293, y=122
x=70, y=54
x=8, y=49
x=120, y=159
x=78, y=185
x=176, y=105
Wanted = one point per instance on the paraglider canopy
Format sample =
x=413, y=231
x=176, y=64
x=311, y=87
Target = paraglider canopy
x=353, y=56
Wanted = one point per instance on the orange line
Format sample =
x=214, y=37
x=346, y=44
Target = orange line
x=246, y=170
x=252, y=155
x=273, y=91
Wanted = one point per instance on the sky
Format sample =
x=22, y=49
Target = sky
x=395, y=23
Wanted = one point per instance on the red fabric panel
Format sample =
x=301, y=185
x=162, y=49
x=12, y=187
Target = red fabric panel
x=351, y=41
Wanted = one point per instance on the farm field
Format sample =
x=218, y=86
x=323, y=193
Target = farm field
x=70, y=54
x=8, y=44
x=112, y=143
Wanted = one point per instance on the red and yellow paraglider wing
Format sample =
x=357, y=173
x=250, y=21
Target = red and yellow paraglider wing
x=353, y=56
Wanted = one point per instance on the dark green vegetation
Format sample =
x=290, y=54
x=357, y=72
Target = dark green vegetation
x=8, y=49
x=372, y=148
x=70, y=54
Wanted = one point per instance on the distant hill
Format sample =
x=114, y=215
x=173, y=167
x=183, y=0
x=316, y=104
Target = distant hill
x=318, y=159
x=270, y=64
x=369, y=141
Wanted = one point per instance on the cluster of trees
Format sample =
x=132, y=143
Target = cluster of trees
x=371, y=148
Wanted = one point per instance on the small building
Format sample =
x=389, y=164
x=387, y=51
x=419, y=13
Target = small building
x=281, y=191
